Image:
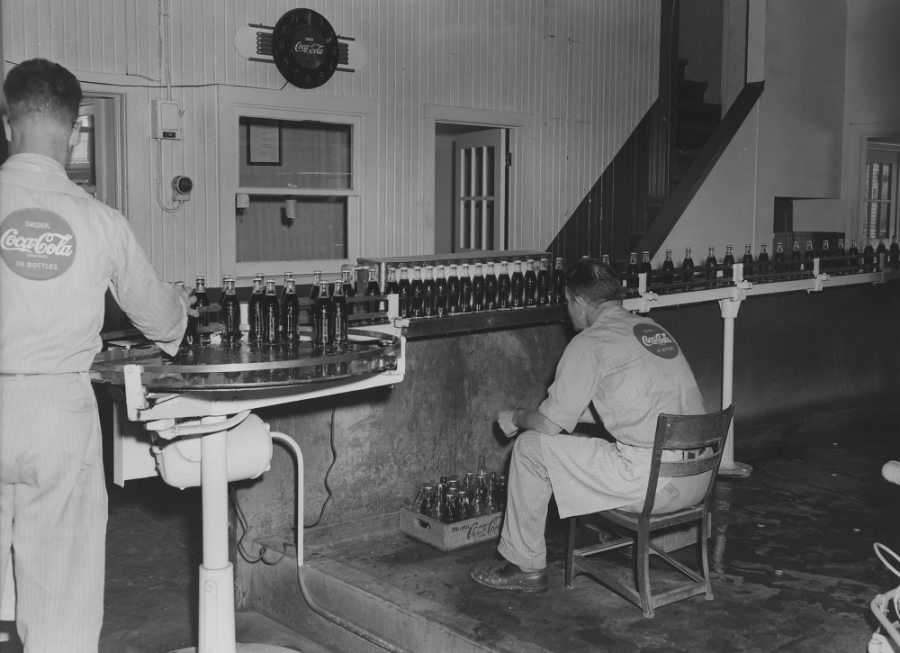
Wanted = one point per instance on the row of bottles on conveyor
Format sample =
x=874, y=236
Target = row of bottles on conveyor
x=441, y=290
x=274, y=319
x=780, y=266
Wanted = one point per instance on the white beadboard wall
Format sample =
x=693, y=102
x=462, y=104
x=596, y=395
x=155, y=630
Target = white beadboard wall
x=584, y=71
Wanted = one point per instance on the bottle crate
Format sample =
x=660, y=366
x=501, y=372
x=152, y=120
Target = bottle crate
x=453, y=535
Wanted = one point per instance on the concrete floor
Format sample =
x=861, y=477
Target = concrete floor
x=791, y=549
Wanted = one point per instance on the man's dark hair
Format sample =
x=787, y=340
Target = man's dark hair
x=38, y=86
x=593, y=280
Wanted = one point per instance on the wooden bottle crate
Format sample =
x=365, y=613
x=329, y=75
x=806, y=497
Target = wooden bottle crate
x=450, y=536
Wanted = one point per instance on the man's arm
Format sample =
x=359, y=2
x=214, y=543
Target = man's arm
x=513, y=421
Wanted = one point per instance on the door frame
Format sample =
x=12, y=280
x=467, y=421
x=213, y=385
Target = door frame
x=857, y=144
x=109, y=145
x=520, y=130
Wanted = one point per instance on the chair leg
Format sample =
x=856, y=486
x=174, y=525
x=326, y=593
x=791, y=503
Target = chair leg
x=704, y=558
x=570, y=552
x=642, y=566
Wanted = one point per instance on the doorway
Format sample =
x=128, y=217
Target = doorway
x=470, y=187
x=882, y=173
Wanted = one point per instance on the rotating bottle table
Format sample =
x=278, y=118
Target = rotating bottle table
x=198, y=405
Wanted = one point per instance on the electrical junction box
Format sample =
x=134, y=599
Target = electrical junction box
x=165, y=120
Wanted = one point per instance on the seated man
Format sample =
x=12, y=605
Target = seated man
x=629, y=369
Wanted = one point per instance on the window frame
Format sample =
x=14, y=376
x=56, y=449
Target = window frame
x=236, y=103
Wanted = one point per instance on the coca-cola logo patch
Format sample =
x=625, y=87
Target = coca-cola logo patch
x=37, y=244
x=656, y=340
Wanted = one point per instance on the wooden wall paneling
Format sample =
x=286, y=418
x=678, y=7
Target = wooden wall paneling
x=580, y=68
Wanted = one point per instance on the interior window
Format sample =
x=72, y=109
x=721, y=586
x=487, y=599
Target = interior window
x=296, y=190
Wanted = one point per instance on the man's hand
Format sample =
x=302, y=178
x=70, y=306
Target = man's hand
x=506, y=422
x=189, y=300
x=192, y=310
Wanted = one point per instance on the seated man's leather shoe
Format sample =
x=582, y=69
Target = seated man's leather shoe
x=505, y=575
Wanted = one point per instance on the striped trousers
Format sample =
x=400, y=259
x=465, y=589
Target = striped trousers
x=53, y=510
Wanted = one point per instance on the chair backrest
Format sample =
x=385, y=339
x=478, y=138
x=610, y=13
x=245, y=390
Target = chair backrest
x=696, y=443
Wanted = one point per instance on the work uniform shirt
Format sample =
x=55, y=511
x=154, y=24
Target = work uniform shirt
x=630, y=370
x=61, y=250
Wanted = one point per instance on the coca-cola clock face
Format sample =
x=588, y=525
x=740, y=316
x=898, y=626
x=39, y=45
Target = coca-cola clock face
x=305, y=48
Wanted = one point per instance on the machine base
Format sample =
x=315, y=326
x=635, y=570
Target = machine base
x=736, y=470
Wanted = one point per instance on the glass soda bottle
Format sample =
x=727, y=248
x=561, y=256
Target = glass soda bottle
x=314, y=288
x=465, y=289
x=322, y=317
x=840, y=254
x=270, y=316
x=254, y=308
x=868, y=256
x=631, y=278
x=348, y=286
x=894, y=252
x=687, y=267
x=747, y=260
x=391, y=287
x=762, y=263
x=453, y=288
x=668, y=270
x=314, y=294
x=417, y=294
x=404, y=290
x=490, y=288
x=796, y=259
x=808, y=256
x=517, y=286
x=429, y=301
x=202, y=304
x=881, y=249
x=230, y=311
x=530, y=284
x=824, y=255
x=728, y=262
x=646, y=267
x=478, y=289
x=853, y=253
x=339, y=315
x=778, y=261
x=287, y=276
x=290, y=313
x=372, y=290
x=440, y=291
x=504, y=286
x=559, y=281
x=543, y=283
x=711, y=267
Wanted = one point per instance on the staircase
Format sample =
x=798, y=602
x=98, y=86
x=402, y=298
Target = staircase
x=644, y=190
x=695, y=122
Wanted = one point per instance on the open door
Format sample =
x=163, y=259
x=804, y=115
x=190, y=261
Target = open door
x=480, y=217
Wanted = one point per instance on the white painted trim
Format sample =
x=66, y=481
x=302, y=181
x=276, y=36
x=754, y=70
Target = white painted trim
x=521, y=132
x=234, y=102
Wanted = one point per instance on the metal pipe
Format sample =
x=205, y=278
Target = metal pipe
x=304, y=590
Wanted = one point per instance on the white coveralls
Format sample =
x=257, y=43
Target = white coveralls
x=61, y=250
x=631, y=370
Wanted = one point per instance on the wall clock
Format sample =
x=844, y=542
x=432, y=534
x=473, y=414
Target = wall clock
x=305, y=48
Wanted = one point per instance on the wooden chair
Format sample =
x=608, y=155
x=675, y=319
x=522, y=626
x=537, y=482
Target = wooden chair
x=685, y=436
